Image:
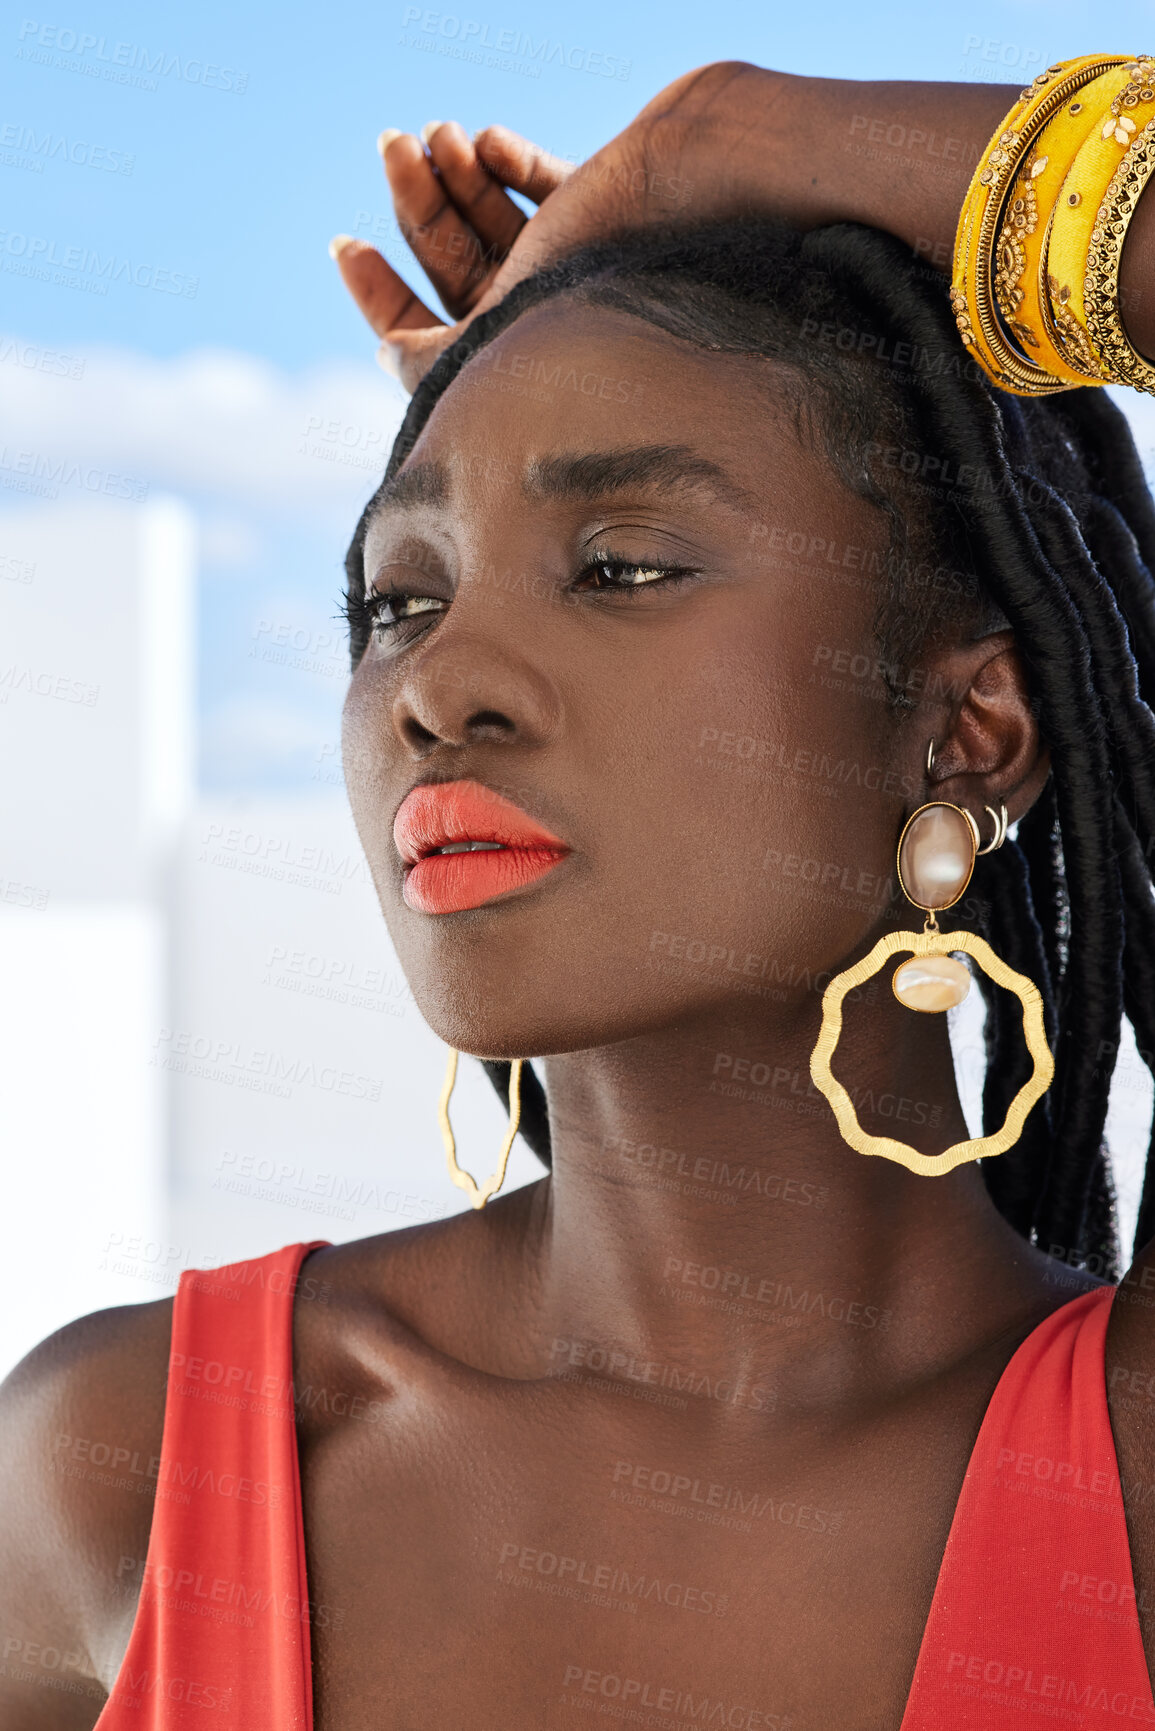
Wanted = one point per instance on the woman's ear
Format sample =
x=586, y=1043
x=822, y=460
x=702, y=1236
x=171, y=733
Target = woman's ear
x=984, y=723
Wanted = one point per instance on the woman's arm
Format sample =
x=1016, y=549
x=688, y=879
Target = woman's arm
x=81, y=1420
x=730, y=139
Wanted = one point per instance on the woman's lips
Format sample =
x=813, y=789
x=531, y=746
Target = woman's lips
x=452, y=814
x=449, y=883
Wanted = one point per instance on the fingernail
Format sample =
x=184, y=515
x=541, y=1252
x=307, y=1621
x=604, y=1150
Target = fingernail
x=338, y=244
x=429, y=129
x=386, y=138
x=389, y=360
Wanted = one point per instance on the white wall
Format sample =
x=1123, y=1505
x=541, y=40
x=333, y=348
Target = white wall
x=96, y=729
x=83, y=1113
x=207, y=1048
x=304, y=1082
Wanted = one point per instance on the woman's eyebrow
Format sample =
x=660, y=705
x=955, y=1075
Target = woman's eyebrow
x=416, y=484
x=583, y=476
x=594, y=474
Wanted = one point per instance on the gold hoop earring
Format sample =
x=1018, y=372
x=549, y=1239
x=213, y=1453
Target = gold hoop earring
x=1000, y=835
x=936, y=856
x=478, y=1195
x=930, y=758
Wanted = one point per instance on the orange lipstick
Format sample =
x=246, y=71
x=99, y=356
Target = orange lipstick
x=463, y=845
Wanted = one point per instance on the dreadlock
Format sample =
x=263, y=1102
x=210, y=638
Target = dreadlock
x=1038, y=510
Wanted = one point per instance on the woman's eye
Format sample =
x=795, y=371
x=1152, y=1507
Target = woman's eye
x=390, y=608
x=386, y=610
x=624, y=574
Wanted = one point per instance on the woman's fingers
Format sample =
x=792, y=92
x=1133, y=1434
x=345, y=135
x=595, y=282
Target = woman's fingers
x=409, y=354
x=483, y=204
x=385, y=298
x=519, y=164
x=412, y=336
x=442, y=239
x=461, y=225
x=453, y=210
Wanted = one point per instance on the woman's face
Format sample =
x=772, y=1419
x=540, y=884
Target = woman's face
x=711, y=745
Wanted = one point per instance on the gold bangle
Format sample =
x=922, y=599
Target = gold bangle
x=1097, y=201
x=1020, y=280
x=972, y=291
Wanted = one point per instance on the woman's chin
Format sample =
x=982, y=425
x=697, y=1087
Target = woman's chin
x=491, y=1035
x=517, y=1030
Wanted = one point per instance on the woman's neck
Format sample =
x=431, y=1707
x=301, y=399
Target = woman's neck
x=704, y=1215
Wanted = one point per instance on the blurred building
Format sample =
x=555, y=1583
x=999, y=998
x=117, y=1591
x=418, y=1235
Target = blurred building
x=207, y=1047
x=96, y=756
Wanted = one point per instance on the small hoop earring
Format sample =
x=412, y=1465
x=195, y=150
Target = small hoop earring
x=478, y=1195
x=930, y=758
x=1000, y=822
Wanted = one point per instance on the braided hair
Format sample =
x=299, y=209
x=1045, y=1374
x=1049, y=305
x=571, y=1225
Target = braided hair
x=1038, y=510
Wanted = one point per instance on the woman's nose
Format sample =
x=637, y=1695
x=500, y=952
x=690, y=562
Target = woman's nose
x=464, y=687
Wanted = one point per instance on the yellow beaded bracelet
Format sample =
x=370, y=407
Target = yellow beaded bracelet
x=972, y=295
x=1097, y=201
x=1020, y=279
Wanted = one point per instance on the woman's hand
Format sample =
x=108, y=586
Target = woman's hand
x=474, y=242
x=726, y=141
x=461, y=225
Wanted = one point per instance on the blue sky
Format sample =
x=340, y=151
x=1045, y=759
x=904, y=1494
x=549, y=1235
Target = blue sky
x=241, y=189
x=220, y=186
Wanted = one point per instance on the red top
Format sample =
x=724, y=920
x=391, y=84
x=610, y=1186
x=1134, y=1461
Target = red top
x=1033, y=1612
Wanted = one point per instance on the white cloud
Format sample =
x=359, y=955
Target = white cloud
x=214, y=424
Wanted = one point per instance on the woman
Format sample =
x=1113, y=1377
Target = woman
x=674, y=607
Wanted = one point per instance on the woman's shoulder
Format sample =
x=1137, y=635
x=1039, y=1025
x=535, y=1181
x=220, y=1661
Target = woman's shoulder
x=418, y=1273
x=1130, y=1352
x=81, y=1420
x=421, y=1302
x=1130, y=1374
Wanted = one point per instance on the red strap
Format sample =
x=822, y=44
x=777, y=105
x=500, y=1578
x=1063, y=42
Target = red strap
x=1034, y=1612
x=223, y=1619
